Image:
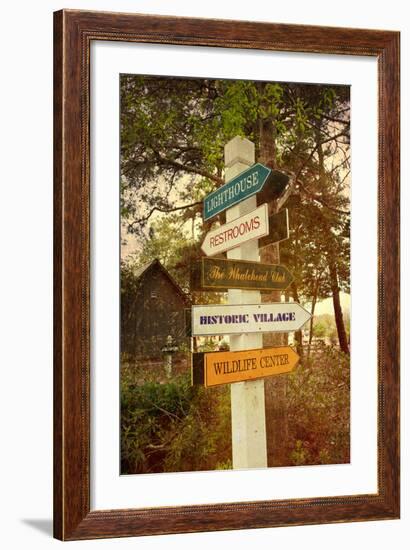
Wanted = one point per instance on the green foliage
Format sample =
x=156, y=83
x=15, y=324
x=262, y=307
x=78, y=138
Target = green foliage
x=299, y=455
x=324, y=326
x=166, y=239
x=166, y=242
x=319, y=330
x=318, y=409
x=168, y=427
x=227, y=465
x=173, y=128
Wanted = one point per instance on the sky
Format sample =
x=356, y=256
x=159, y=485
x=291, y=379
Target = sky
x=326, y=306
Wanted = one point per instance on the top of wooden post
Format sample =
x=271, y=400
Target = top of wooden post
x=239, y=150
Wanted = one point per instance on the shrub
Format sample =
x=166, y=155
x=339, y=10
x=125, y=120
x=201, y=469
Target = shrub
x=168, y=427
x=318, y=409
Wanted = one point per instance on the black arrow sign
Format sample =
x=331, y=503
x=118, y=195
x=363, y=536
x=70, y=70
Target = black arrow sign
x=278, y=228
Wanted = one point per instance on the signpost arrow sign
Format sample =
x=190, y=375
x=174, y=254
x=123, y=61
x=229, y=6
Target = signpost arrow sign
x=220, y=274
x=210, y=320
x=213, y=369
x=275, y=187
x=246, y=184
x=245, y=228
x=278, y=228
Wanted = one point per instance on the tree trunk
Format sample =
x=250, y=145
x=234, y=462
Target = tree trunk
x=275, y=386
x=340, y=326
x=298, y=333
x=314, y=300
x=334, y=281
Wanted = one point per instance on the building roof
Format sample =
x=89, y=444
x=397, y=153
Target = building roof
x=156, y=264
x=143, y=268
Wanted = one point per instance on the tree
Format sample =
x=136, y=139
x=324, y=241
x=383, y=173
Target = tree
x=173, y=132
x=176, y=128
x=321, y=210
x=167, y=240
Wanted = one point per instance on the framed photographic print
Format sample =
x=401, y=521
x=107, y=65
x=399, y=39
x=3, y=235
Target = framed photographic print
x=226, y=334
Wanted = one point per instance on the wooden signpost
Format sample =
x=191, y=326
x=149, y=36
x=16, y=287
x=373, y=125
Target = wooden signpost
x=248, y=318
x=245, y=318
x=249, y=449
x=213, y=369
x=252, y=225
x=220, y=274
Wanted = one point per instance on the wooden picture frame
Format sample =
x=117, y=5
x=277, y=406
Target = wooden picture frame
x=74, y=32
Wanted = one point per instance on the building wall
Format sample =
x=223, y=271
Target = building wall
x=155, y=311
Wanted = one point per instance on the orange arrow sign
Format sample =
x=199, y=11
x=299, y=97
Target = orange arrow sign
x=213, y=369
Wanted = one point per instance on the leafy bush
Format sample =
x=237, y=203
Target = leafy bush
x=168, y=427
x=318, y=409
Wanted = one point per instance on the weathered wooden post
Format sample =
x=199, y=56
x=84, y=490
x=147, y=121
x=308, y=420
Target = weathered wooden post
x=247, y=398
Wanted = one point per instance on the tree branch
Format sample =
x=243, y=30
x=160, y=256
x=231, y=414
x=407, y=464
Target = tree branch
x=165, y=210
x=314, y=150
x=335, y=119
x=321, y=200
x=189, y=169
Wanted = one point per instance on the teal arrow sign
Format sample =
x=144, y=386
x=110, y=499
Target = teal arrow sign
x=246, y=184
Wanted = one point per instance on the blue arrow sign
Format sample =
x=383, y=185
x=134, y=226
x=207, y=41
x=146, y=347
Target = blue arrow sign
x=246, y=184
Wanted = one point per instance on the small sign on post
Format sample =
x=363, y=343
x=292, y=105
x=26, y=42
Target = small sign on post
x=213, y=369
x=210, y=320
x=278, y=229
x=219, y=274
x=275, y=187
x=244, y=185
x=239, y=231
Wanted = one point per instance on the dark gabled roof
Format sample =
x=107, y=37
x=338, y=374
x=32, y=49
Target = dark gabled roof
x=156, y=264
x=143, y=269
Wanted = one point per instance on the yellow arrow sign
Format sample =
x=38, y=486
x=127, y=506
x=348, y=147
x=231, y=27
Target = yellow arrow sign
x=213, y=369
